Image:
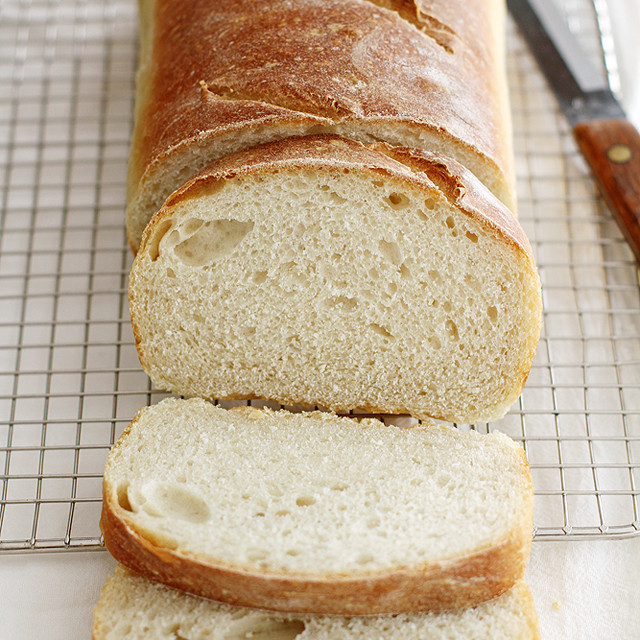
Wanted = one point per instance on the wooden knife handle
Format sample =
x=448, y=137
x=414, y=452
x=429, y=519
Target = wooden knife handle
x=612, y=149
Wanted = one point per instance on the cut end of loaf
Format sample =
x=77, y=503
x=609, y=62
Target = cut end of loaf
x=321, y=272
x=337, y=516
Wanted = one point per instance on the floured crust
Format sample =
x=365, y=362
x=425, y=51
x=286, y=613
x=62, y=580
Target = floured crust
x=330, y=59
x=392, y=72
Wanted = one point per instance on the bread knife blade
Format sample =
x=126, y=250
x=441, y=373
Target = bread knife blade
x=608, y=141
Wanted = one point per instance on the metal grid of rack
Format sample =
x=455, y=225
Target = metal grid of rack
x=70, y=380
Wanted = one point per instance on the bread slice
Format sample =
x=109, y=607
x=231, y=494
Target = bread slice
x=319, y=271
x=316, y=513
x=218, y=77
x=134, y=608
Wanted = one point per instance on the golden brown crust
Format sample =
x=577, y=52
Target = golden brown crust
x=335, y=59
x=209, y=70
x=451, y=584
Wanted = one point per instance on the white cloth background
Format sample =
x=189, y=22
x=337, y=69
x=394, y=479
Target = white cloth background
x=582, y=590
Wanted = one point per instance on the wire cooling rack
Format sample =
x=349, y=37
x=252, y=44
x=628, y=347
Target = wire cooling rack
x=70, y=380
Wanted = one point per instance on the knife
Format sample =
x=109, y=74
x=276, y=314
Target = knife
x=606, y=138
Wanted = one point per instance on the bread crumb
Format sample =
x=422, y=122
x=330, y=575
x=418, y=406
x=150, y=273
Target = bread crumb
x=557, y=605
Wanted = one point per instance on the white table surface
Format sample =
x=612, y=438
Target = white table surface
x=582, y=590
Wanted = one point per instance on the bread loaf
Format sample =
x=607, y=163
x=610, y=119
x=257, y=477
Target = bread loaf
x=318, y=271
x=134, y=608
x=217, y=77
x=317, y=513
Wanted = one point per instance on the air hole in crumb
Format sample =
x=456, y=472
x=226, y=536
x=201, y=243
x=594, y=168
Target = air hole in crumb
x=391, y=252
x=212, y=241
x=405, y=272
x=293, y=552
x=492, y=312
x=189, y=227
x=173, y=238
x=398, y=200
x=156, y=238
x=342, y=302
x=305, y=501
x=381, y=331
x=294, y=275
x=377, y=183
x=449, y=222
x=446, y=305
x=435, y=275
x=452, y=329
x=282, y=512
x=175, y=501
x=123, y=497
x=339, y=486
x=434, y=341
x=275, y=490
x=255, y=627
x=429, y=203
x=364, y=558
x=472, y=236
x=171, y=273
x=259, y=277
x=337, y=198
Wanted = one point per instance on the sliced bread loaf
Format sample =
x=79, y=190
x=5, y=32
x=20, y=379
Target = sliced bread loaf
x=217, y=77
x=317, y=513
x=132, y=607
x=319, y=271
